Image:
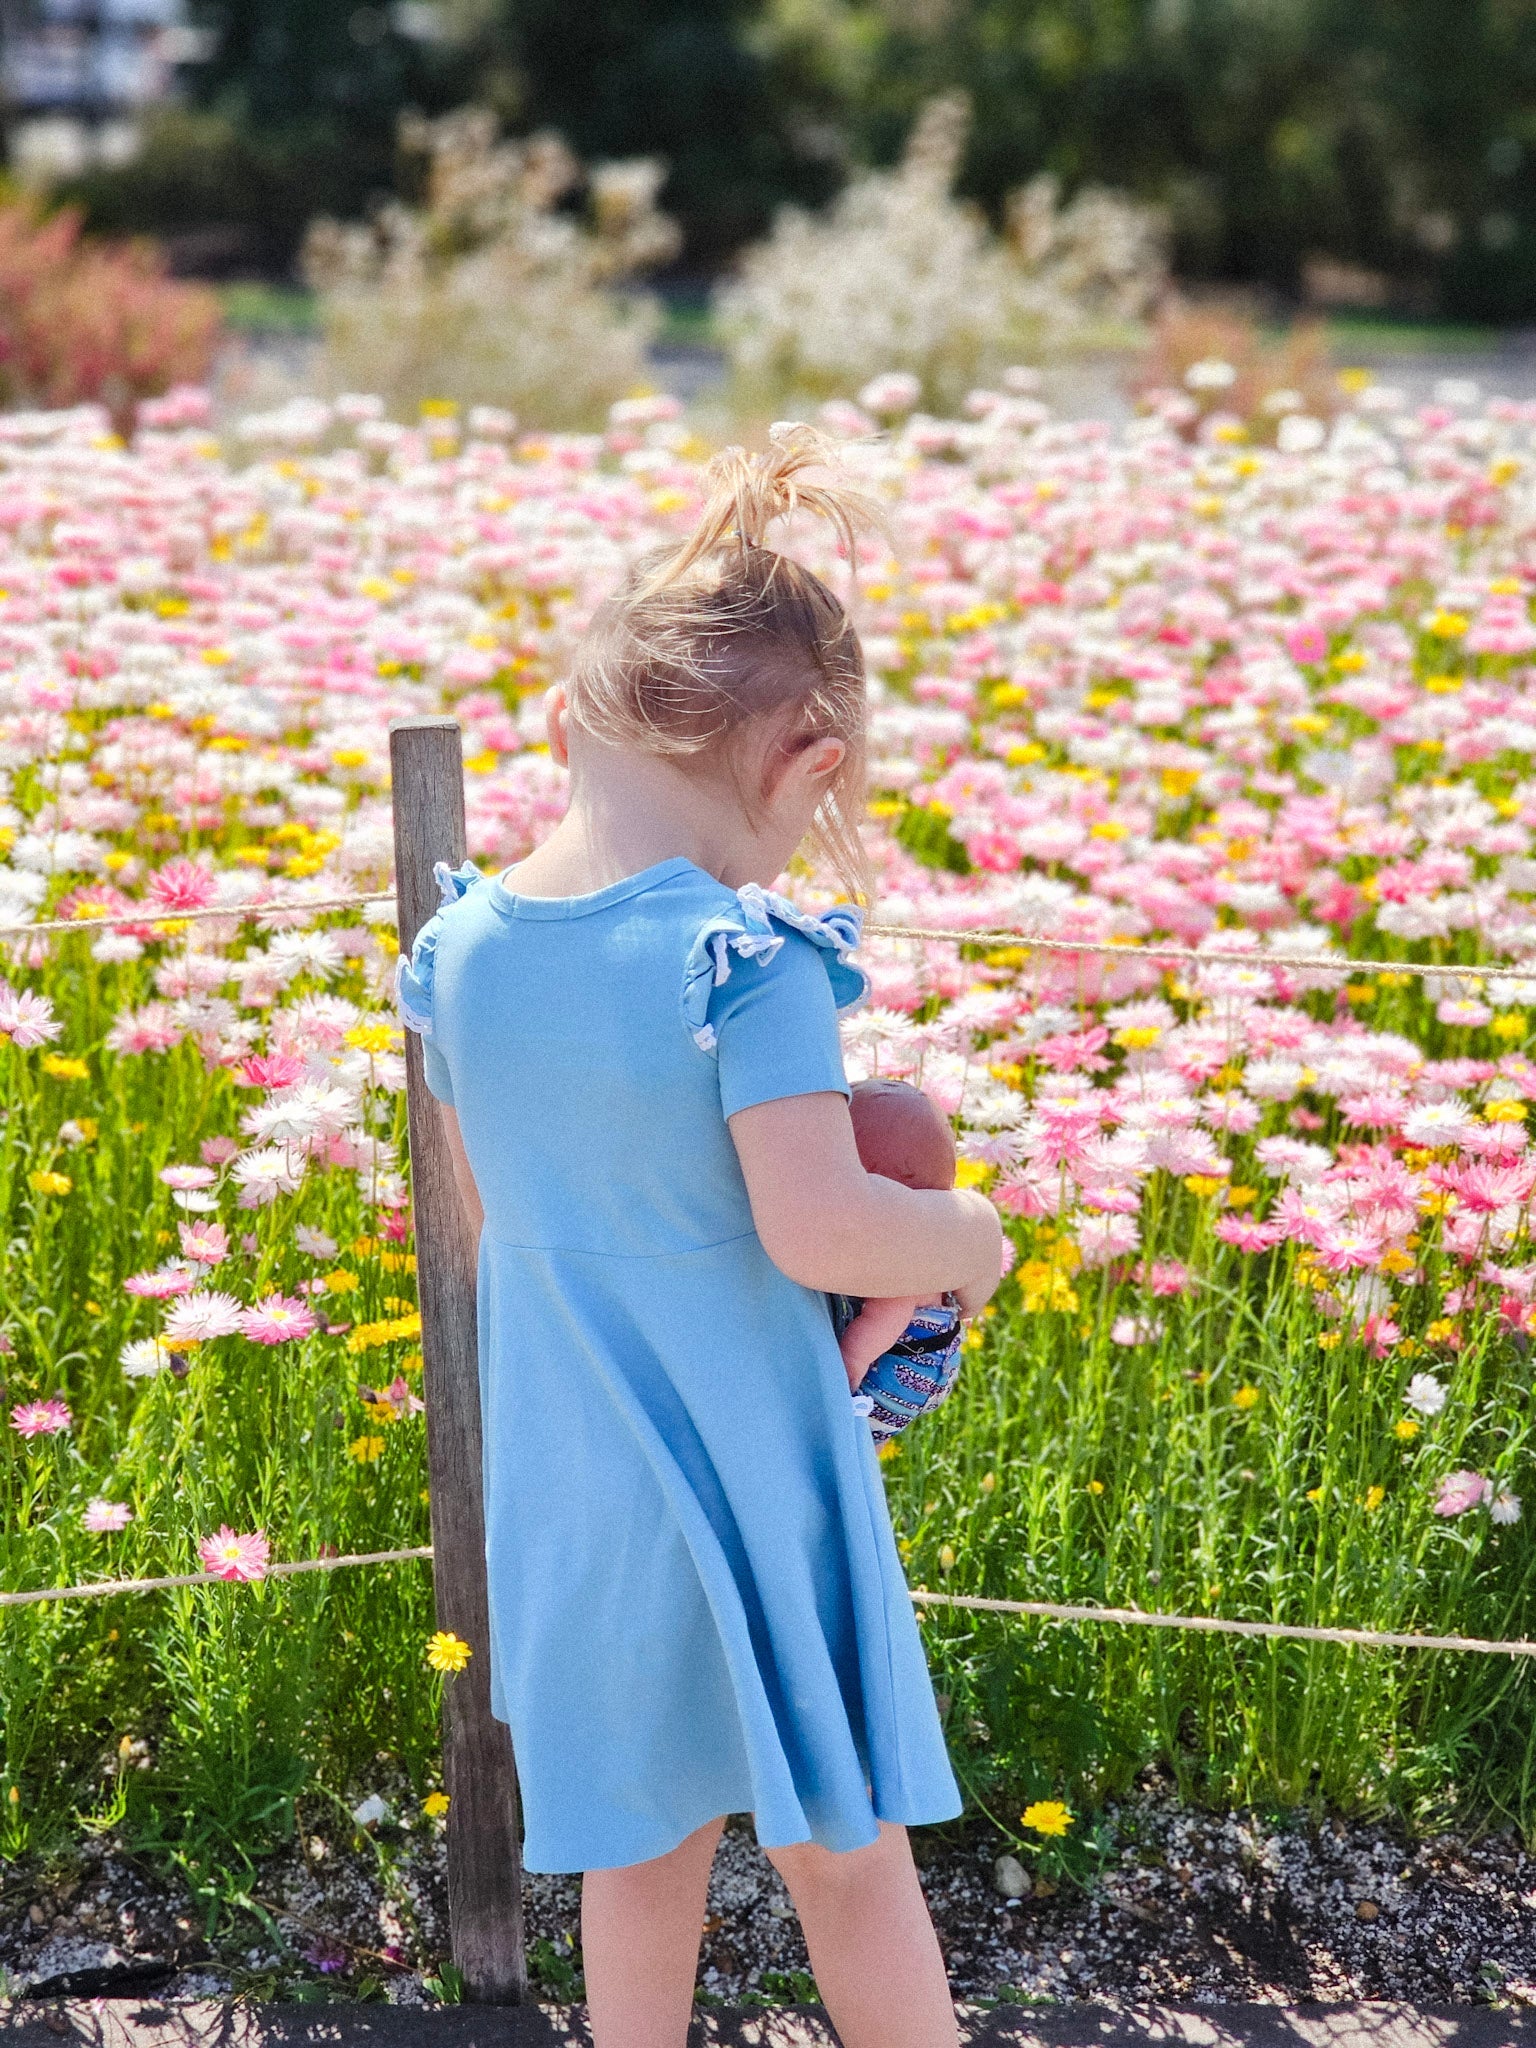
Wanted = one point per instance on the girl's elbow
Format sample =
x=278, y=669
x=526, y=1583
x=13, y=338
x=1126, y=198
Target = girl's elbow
x=802, y=1251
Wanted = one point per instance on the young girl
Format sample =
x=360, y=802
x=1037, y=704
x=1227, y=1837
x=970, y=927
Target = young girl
x=697, y=1607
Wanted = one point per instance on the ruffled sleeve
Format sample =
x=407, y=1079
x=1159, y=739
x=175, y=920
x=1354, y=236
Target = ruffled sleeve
x=415, y=978
x=762, y=987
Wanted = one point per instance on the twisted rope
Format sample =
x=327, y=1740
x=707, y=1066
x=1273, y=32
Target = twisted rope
x=1002, y=935
x=1041, y=1610
x=94, y=1589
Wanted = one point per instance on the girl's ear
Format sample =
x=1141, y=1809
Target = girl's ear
x=557, y=724
x=824, y=758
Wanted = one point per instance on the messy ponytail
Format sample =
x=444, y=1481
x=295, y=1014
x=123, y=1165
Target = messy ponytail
x=706, y=641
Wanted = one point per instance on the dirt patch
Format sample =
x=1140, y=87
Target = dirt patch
x=1186, y=1907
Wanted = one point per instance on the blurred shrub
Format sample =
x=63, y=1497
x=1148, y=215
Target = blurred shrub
x=1231, y=376
x=82, y=320
x=899, y=275
x=228, y=197
x=488, y=293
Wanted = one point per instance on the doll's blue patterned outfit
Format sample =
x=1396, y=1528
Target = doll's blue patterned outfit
x=696, y=1603
x=916, y=1375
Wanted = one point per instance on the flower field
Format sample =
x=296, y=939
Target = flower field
x=1266, y=1349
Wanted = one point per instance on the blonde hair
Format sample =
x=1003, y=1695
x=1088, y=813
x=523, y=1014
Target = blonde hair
x=707, y=641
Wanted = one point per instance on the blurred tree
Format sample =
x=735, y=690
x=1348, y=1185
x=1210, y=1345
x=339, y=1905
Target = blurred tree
x=293, y=113
x=1392, y=136
x=1359, y=146
x=691, y=81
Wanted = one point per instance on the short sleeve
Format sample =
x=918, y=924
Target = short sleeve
x=776, y=1030
x=763, y=986
x=415, y=980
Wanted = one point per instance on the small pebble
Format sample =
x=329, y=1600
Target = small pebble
x=1367, y=1910
x=1010, y=1877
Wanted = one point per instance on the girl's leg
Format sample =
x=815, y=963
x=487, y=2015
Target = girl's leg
x=640, y=1932
x=873, y=1950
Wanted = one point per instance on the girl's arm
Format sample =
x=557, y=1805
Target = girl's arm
x=463, y=1179
x=827, y=1223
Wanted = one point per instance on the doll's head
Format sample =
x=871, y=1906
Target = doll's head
x=902, y=1135
x=727, y=657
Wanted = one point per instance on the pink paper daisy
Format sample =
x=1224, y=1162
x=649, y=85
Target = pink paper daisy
x=105, y=1517
x=279, y=1319
x=41, y=1418
x=228, y=1556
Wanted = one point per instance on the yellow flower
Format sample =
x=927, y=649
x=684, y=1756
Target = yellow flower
x=1374, y=1496
x=350, y=757
x=1360, y=992
x=1179, y=782
x=483, y=763
x=368, y=1336
x=1441, y=1330
x=1095, y=1486
x=1406, y=1430
x=1246, y=1397
x=65, y=1069
x=47, y=1183
x=1241, y=1197
x=971, y=1173
x=1504, y=1111
x=1511, y=1025
x=1138, y=1037
x=947, y=1557
x=446, y=1651
x=341, y=1282
x=1203, y=1184
x=1315, y=1494
x=890, y=1449
x=1047, y=1817
x=1330, y=1340
x=367, y=1450
x=434, y=1805
x=1447, y=625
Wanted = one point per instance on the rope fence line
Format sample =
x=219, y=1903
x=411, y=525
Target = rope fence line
x=1215, y=1625
x=94, y=922
x=94, y=1589
x=1041, y=1610
x=1002, y=935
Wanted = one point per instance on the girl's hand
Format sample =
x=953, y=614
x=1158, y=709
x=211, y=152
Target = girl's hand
x=872, y=1333
x=828, y=1224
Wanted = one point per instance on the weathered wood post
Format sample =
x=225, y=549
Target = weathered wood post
x=485, y=1912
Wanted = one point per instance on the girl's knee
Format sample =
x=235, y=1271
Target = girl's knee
x=809, y=1864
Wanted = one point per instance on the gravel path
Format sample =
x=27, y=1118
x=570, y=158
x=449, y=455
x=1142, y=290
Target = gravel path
x=1188, y=1908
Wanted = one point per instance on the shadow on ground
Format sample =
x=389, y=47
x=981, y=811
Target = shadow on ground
x=129, y=2023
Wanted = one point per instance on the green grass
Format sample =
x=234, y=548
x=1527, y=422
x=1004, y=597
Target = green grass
x=1379, y=334
x=256, y=308
x=1066, y=1467
x=1071, y=1469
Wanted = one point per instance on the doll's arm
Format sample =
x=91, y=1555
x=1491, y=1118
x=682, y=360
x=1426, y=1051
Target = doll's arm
x=872, y=1333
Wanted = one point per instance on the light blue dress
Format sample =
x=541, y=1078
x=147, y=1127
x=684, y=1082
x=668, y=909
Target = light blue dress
x=697, y=1606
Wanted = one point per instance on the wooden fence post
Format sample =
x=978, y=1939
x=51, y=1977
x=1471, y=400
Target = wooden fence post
x=485, y=1911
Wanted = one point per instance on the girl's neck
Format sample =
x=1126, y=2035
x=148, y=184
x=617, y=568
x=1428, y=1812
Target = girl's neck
x=620, y=823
